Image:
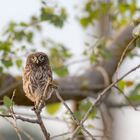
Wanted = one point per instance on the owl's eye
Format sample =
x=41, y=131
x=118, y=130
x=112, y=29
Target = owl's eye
x=34, y=58
x=41, y=58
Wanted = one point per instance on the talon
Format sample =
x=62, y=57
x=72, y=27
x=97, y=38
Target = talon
x=53, y=85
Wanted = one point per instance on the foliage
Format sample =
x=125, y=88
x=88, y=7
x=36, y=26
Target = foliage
x=53, y=108
x=83, y=108
x=47, y=14
x=97, y=51
x=120, y=12
x=19, y=39
x=7, y=104
x=7, y=101
x=135, y=94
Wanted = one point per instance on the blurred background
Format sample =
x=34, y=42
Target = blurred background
x=78, y=36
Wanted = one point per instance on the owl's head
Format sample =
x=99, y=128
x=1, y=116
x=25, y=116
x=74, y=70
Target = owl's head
x=37, y=58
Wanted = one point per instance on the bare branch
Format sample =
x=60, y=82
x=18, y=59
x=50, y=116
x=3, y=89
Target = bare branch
x=102, y=95
x=19, y=118
x=73, y=116
x=129, y=102
x=59, y=135
x=107, y=122
x=16, y=128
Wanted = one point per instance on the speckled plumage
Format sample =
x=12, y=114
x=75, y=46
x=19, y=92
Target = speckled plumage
x=35, y=75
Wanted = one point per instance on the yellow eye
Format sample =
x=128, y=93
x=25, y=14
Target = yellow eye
x=41, y=58
x=34, y=59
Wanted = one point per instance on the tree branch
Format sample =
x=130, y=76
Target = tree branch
x=102, y=96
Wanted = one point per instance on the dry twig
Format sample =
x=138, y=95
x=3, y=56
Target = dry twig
x=100, y=97
x=72, y=115
x=121, y=91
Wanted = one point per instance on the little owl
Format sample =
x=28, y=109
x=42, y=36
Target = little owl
x=35, y=76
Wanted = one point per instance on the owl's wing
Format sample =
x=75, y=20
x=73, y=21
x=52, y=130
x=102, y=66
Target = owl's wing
x=49, y=72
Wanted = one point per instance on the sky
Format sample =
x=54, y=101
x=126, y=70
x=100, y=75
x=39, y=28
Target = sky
x=73, y=36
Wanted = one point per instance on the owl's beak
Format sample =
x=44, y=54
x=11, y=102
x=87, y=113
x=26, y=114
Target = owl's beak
x=37, y=61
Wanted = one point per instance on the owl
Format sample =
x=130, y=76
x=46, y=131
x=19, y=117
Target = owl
x=36, y=73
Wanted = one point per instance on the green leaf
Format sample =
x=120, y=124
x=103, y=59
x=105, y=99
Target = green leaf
x=123, y=7
x=6, y=46
x=20, y=35
x=90, y=126
x=134, y=98
x=49, y=15
x=83, y=108
x=93, y=113
x=11, y=27
x=7, y=101
x=23, y=24
x=18, y=63
x=121, y=84
x=1, y=69
x=7, y=63
x=2, y=110
x=92, y=58
x=53, y=108
x=135, y=94
x=84, y=22
x=62, y=72
x=85, y=105
x=29, y=37
x=78, y=115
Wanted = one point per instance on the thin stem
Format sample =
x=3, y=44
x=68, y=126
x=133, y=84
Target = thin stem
x=101, y=96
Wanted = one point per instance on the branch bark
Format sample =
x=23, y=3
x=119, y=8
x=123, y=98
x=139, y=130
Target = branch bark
x=107, y=122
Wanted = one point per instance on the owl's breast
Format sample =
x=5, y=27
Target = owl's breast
x=38, y=79
x=34, y=82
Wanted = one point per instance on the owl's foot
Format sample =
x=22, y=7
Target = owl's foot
x=33, y=108
x=53, y=85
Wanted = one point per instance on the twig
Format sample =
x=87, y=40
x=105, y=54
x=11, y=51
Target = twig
x=107, y=122
x=72, y=115
x=123, y=54
x=27, y=134
x=59, y=135
x=125, y=97
x=120, y=105
x=101, y=96
x=42, y=126
x=16, y=128
x=44, y=117
x=14, y=123
x=15, y=116
x=20, y=118
x=19, y=130
x=86, y=136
